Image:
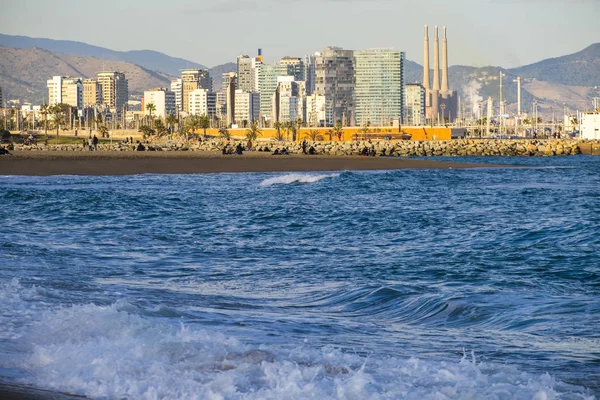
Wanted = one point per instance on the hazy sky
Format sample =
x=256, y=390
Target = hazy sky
x=480, y=32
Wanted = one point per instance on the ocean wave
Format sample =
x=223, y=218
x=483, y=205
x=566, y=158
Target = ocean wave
x=113, y=351
x=295, y=178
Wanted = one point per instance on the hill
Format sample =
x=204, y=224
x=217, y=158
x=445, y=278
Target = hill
x=149, y=59
x=24, y=72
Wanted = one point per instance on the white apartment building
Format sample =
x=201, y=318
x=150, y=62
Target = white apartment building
x=115, y=91
x=317, y=110
x=202, y=102
x=414, y=101
x=247, y=107
x=177, y=89
x=65, y=90
x=163, y=100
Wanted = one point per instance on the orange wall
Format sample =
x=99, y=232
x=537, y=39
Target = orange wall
x=350, y=133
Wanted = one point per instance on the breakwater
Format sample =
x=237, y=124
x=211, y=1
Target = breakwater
x=466, y=147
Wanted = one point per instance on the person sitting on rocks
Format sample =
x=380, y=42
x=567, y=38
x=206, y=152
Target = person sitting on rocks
x=285, y=151
x=226, y=149
x=239, y=149
x=267, y=149
x=364, y=152
x=276, y=152
x=140, y=147
x=372, y=151
x=312, y=150
x=4, y=152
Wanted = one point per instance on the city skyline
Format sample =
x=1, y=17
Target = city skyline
x=521, y=34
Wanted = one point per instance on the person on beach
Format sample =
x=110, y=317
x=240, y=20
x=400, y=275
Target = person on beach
x=276, y=152
x=95, y=141
x=4, y=152
x=239, y=149
x=140, y=147
x=90, y=143
x=304, y=146
x=312, y=151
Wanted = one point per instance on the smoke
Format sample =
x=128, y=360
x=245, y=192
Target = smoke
x=471, y=91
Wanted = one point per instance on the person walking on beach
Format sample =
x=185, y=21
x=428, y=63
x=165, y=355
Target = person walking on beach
x=95, y=141
x=90, y=143
x=304, y=146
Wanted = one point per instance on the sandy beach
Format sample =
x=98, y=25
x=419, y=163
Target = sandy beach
x=131, y=163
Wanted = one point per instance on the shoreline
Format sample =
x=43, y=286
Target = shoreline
x=25, y=163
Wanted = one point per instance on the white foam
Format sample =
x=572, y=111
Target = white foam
x=113, y=352
x=296, y=178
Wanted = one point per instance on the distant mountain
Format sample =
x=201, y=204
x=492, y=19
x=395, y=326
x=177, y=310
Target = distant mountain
x=24, y=72
x=578, y=69
x=151, y=60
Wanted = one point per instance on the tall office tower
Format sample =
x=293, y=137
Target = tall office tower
x=247, y=107
x=202, y=102
x=309, y=73
x=334, y=69
x=295, y=67
x=115, y=91
x=221, y=105
x=1, y=99
x=268, y=85
x=192, y=79
x=163, y=100
x=92, y=93
x=245, y=74
x=414, y=94
x=379, y=94
x=230, y=90
x=177, y=89
x=65, y=90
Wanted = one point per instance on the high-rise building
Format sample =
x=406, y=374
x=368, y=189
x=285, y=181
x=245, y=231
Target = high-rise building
x=268, y=86
x=202, y=102
x=414, y=94
x=163, y=100
x=1, y=99
x=316, y=110
x=230, y=93
x=334, y=70
x=245, y=74
x=247, y=107
x=295, y=67
x=177, y=89
x=379, y=90
x=92, y=93
x=65, y=90
x=193, y=79
x=309, y=74
x=115, y=91
x=290, y=99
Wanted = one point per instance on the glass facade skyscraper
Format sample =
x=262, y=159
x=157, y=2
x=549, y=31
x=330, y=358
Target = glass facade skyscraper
x=379, y=87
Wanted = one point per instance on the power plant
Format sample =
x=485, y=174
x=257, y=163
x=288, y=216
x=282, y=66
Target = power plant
x=441, y=103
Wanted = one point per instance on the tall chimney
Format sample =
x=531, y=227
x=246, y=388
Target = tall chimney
x=436, y=60
x=426, y=59
x=445, y=64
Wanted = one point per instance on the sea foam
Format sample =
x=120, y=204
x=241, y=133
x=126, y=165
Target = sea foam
x=117, y=351
x=296, y=178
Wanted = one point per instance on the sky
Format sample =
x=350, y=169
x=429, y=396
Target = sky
x=505, y=33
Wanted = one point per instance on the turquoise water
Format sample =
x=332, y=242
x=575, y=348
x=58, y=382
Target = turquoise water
x=410, y=284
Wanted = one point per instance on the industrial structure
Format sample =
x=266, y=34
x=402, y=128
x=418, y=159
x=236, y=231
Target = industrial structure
x=441, y=103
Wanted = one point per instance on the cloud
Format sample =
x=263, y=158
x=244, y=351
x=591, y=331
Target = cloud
x=227, y=6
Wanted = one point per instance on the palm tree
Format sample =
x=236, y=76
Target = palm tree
x=171, y=121
x=103, y=130
x=58, y=117
x=192, y=123
x=253, y=132
x=313, y=135
x=278, y=125
x=44, y=109
x=159, y=127
x=338, y=130
x=204, y=123
x=151, y=108
x=224, y=134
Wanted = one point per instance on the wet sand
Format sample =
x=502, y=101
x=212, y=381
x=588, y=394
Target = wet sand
x=132, y=163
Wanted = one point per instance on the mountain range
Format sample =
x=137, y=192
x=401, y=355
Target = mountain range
x=26, y=63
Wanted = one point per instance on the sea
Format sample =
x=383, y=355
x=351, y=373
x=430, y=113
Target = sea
x=407, y=284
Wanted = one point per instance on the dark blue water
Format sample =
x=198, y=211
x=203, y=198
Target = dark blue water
x=412, y=284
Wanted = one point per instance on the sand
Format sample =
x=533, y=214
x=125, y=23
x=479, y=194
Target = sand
x=29, y=163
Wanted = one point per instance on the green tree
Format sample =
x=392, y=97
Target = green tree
x=58, y=117
x=150, y=107
x=253, y=132
x=171, y=121
x=44, y=109
x=224, y=134
x=159, y=127
x=192, y=123
x=146, y=131
x=278, y=125
x=313, y=135
x=103, y=129
x=338, y=130
x=204, y=123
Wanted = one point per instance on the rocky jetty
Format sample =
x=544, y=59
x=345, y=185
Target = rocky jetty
x=466, y=147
